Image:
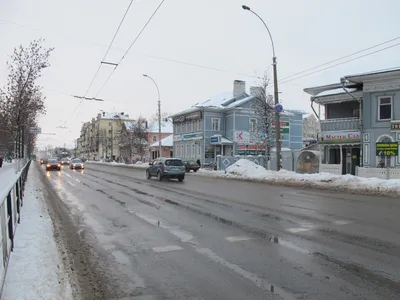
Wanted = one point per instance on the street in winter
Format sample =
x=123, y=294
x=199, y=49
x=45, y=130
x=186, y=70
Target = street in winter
x=199, y=150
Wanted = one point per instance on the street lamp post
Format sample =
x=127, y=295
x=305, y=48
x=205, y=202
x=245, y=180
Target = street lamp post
x=159, y=115
x=276, y=94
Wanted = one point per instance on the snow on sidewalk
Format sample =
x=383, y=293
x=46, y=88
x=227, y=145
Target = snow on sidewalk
x=244, y=169
x=35, y=267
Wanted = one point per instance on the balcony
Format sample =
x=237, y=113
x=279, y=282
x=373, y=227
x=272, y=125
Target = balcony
x=340, y=124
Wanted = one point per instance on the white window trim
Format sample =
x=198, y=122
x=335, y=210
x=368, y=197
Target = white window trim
x=219, y=124
x=255, y=124
x=366, y=154
x=193, y=150
x=379, y=107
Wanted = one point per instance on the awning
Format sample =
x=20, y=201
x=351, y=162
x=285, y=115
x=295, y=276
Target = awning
x=220, y=140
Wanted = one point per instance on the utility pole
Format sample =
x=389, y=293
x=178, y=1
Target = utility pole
x=159, y=115
x=276, y=94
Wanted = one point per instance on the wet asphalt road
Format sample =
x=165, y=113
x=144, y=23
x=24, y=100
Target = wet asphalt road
x=209, y=238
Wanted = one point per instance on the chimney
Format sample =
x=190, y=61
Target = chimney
x=104, y=113
x=122, y=113
x=239, y=87
x=257, y=91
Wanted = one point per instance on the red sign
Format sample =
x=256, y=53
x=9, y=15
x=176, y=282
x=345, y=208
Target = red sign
x=251, y=147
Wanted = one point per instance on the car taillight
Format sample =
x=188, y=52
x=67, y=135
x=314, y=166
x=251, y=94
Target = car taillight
x=59, y=165
x=48, y=165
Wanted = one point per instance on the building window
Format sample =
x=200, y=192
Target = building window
x=215, y=124
x=187, y=150
x=385, y=108
x=154, y=138
x=253, y=124
x=182, y=151
x=199, y=125
x=198, y=150
x=193, y=150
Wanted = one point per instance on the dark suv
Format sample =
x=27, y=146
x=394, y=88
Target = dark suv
x=166, y=168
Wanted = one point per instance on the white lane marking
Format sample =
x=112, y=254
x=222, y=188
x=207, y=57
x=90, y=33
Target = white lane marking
x=341, y=222
x=238, y=238
x=183, y=235
x=166, y=248
x=296, y=230
x=77, y=180
x=66, y=174
x=292, y=246
x=71, y=183
x=258, y=281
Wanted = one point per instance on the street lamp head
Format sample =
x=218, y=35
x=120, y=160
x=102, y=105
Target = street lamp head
x=145, y=75
x=245, y=7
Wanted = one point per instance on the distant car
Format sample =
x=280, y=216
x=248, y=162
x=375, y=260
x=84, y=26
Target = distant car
x=65, y=161
x=191, y=165
x=76, y=164
x=53, y=164
x=83, y=159
x=43, y=161
x=166, y=168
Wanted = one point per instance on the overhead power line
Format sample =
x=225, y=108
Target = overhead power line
x=103, y=60
x=341, y=58
x=130, y=47
x=341, y=63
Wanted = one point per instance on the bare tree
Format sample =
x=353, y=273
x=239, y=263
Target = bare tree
x=134, y=138
x=263, y=129
x=21, y=100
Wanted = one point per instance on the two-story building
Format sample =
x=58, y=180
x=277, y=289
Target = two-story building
x=362, y=121
x=224, y=125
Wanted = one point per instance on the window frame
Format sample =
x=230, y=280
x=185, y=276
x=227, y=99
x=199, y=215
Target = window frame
x=379, y=107
x=218, y=122
x=255, y=124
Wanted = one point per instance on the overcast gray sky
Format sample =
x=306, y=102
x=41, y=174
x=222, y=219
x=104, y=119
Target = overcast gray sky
x=213, y=33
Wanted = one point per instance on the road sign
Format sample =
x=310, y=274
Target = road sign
x=35, y=130
x=278, y=108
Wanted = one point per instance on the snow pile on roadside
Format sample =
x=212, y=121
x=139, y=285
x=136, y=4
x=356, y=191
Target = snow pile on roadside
x=35, y=269
x=247, y=170
x=137, y=165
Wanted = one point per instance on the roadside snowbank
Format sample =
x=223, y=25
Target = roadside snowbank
x=244, y=169
x=137, y=165
x=35, y=270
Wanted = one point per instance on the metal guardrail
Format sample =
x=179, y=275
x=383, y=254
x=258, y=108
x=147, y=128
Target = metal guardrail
x=11, y=201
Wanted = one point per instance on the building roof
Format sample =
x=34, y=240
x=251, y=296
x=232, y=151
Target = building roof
x=165, y=142
x=113, y=115
x=385, y=73
x=166, y=127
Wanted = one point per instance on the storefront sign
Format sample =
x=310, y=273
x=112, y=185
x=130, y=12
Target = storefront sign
x=215, y=139
x=188, y=137
x=387, y=149
x=251, y=150
x=283, y=124
x=395, y=126
x=190, y=117
x=339, y=137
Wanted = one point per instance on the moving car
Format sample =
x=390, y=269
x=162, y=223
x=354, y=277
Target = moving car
x=53, y=164
x=166, y=168
x=191, y=165
x=65, y=161
x=43, y=161
x=76, y=163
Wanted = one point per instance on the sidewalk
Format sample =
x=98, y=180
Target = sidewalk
x=35, y=267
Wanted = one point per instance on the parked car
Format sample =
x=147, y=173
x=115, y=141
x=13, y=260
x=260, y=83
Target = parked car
x=65, y=161
x=53, y=164
x=76, y=164
x=191, y=165
x=166, y=168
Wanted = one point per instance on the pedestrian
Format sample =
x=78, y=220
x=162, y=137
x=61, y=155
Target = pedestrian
x=198, y=162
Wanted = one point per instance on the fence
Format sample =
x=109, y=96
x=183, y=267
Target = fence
x=11, y=199
x=381, y=173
